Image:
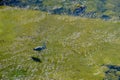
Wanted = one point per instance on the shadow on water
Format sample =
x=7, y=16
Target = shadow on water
x=36, y=59
x=113, y=67
x=113, y=72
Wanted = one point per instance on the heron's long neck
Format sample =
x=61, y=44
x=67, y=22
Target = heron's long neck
x=44, y=46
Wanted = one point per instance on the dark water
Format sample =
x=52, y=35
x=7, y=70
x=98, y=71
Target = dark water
x=39, y=5
x=113, y=72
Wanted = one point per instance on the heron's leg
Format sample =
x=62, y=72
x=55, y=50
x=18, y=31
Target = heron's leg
x=38, y=54
x=42, y=56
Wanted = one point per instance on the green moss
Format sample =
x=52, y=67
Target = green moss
x=76, y=47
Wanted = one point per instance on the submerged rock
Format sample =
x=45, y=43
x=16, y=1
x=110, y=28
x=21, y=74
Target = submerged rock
x=105, y=17
x=79, y=10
